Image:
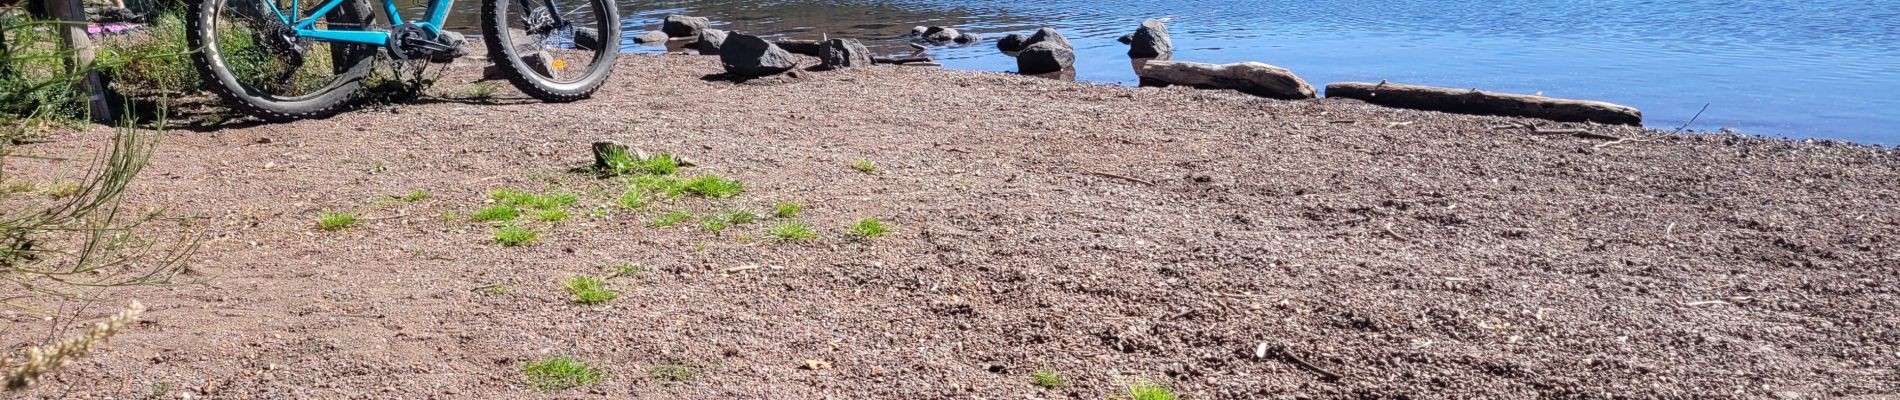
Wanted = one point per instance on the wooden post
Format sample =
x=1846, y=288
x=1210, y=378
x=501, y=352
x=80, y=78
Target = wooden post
x=72, y=33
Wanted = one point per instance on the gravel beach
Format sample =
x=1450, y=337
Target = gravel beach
x=1224, y=245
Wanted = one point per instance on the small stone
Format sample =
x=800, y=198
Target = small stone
x=750, y=56
x=1014, y=42
x=683, y=26
x=1045, y=57
x=710, y=42
x=1047, y=35
x=650, y=37
x=845, y=53
x=1151, y=41
x=941, y=34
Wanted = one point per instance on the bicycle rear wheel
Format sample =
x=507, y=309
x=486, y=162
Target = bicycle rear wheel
x=553, y=50
x=254, y=60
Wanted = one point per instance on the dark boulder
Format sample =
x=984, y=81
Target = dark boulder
x=1047, y=35
x=845, y=53
x=1045, y=57
x=681, y=26
x=1126, y=39
x=967, y=38
x=710, y=41
x=587, y=38
x=1151, y=41
x=1012, y=43
x=750, y=56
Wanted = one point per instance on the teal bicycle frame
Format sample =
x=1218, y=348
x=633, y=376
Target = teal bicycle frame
x=305, y=25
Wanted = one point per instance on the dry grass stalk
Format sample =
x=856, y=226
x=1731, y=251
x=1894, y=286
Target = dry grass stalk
x=42, y=360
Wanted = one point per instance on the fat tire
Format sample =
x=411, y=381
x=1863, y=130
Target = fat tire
x=494, y=13
x=220, y=80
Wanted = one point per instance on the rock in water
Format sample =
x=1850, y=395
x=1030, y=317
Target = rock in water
x=710, y=41
x=1253, y=78
x=918, y=31
x=1151, y=41
x=1015, y=42
x=750, y=56
x=1045, y=57
x=846, y=53
x=650, y=37
x=1126, y=39
x=1046, y=35
x=967, y=38
x=940, y=34
x=681, y=26
x=587, y=38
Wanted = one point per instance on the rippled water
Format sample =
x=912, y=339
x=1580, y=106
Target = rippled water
x=1813, y=68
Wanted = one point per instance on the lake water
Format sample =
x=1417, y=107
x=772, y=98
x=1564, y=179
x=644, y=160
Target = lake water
x=1807, y=68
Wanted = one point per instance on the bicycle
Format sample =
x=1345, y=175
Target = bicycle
x=274, y=60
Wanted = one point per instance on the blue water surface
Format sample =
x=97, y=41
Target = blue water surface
x=1815, y=68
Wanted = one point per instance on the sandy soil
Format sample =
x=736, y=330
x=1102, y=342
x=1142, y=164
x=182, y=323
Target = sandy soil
x=1111, y=234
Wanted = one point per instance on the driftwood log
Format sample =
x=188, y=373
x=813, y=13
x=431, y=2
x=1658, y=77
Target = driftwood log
x=902, y=60
x=1472, y=101
x=812, y=48
x=1253, y=78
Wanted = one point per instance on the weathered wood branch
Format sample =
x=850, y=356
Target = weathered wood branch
x=1471, y=101
x=1253, y=78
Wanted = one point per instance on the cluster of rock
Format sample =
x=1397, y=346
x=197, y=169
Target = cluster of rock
x=749, y=56
x=1046, y=51
x=1042, y=52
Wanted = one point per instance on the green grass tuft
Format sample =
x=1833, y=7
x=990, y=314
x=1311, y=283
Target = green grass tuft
x=588, y=289
x=516, y=198
x=666, y=185
x=559, y=373
x=414, y=196
x=869, y=228
x=620, y=162
x=865, y=166
x=670, y=219
x=1047, y=379
x=791, y=231
x=496, y=213
x=624, y=270
x=512, y=236
x=787, y=209
x=713, y=186
x=335, y=221
x=551, y=215
x=633, y=199
x=1150, y=391
x=720, y=221
x=673, y=372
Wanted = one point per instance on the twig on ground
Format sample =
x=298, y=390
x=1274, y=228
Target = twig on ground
x=1125, y=178
x=1698, y=114
x=1265, y=351
x=1395, y=235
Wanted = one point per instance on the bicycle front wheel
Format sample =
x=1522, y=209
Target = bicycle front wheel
x=553, y=50
x=252, y=58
